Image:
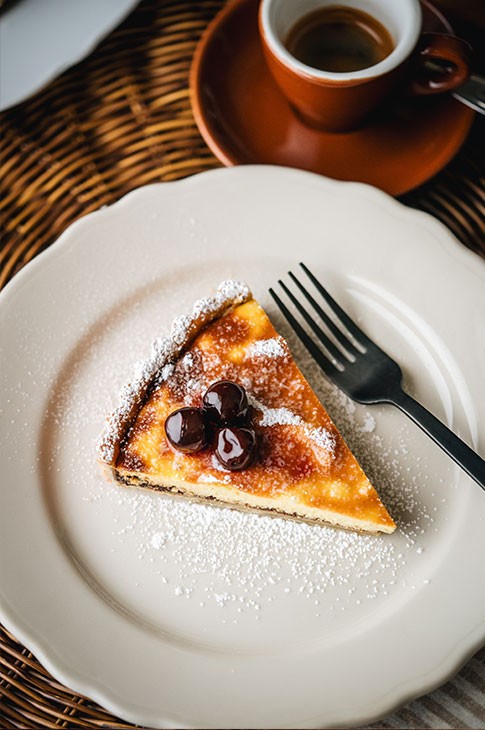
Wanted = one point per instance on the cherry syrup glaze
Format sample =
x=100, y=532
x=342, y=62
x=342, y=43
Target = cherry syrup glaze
x=235, y=447
x=226, y=409
x=226, y=403
x=186, y=430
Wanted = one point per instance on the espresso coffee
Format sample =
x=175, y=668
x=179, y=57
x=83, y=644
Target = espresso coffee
x=339, y=39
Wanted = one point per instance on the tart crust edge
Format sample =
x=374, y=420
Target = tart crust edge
x=165, y=352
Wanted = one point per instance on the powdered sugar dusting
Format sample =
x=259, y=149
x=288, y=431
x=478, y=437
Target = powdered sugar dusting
x=165, y=557
x=274, y=347
x=277, y=416
x=369, y=424
x=321, y=437
x=251, y=560
x=160, y=363
x=284, y=417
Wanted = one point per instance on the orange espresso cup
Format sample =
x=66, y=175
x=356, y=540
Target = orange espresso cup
x=418, y=63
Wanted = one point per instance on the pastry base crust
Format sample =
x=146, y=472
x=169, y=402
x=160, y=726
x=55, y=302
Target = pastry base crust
x=222, y=496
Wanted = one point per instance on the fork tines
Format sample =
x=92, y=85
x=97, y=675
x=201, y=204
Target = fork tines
x=339, y=348
x=361, y=369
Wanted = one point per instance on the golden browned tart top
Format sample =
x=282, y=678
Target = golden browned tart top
x=303, y=467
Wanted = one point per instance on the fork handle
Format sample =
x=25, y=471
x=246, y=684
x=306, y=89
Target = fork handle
x=464, y=456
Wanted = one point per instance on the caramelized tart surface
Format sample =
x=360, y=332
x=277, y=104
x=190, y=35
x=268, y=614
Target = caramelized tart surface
x=303, y=466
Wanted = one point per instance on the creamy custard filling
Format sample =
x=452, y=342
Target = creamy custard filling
x=303, y=467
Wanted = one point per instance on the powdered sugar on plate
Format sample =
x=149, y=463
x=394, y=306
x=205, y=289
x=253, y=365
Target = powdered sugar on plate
x=232, y=566
x=253, y=559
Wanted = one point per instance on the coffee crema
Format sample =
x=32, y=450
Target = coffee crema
x=339, y=39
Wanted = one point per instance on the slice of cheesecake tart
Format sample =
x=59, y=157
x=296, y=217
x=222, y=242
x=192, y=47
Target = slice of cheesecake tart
x=221, y=413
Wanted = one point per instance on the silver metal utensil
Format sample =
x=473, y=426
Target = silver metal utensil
x=361, y=369
x=472, y=93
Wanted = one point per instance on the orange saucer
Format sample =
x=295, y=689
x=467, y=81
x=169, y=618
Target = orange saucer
x=244, y=118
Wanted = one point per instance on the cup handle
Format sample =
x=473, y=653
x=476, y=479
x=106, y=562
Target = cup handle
x=441, y=63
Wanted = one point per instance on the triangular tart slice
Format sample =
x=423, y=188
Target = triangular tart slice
x=303, y=469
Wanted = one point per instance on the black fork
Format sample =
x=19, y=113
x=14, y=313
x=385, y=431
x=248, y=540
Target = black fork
x=363, y=371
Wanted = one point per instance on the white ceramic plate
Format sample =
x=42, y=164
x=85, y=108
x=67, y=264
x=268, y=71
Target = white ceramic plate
x=41, y=38
x=179, y=615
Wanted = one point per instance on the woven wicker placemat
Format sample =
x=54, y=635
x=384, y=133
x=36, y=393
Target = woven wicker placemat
x=119, y=120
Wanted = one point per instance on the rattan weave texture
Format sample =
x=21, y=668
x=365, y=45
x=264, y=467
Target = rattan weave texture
x=119, y=120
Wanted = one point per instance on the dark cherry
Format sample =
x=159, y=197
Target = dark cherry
x=186, y=430
x=226, y=403
x=235, y=447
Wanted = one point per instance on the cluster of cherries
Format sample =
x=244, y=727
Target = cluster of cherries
x=223, y=419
